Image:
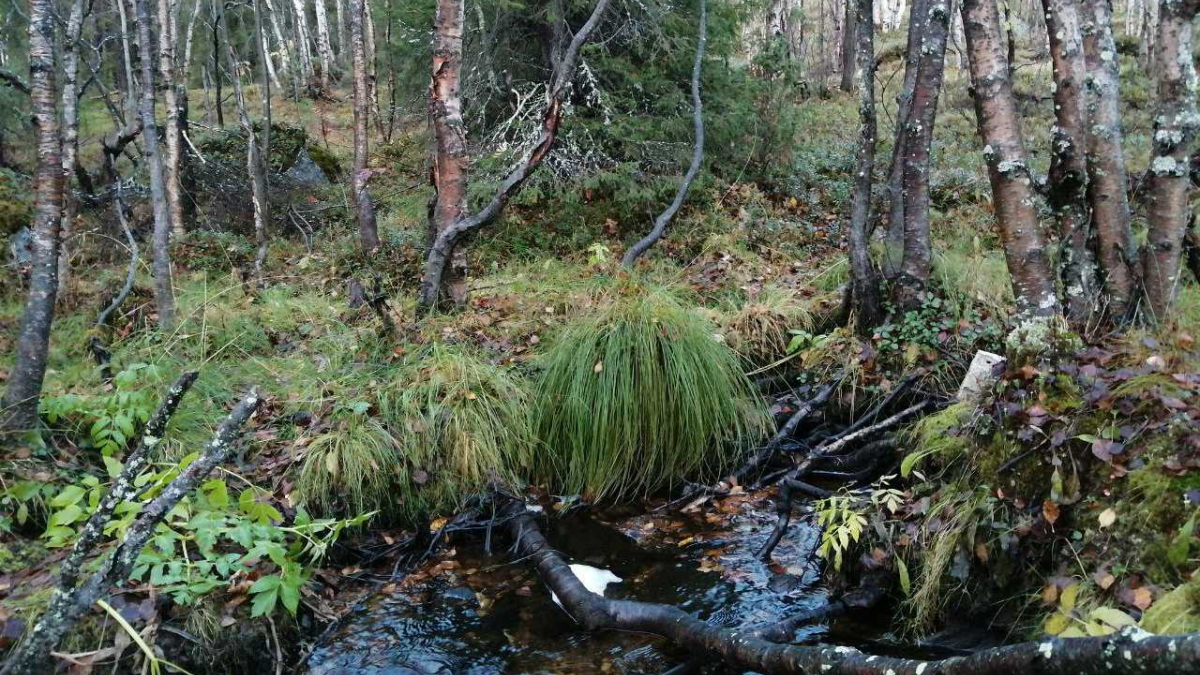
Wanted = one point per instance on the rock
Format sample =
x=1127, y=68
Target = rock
x=981, y=375
x=305, y=171
x=460, y=594
x=20, y=247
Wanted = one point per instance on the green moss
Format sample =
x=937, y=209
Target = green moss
x=326, y=161
x=939, y=436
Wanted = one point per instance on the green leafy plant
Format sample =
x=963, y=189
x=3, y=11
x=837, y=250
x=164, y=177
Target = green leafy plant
x=110, y=420
x=842, y=526
x=638, y=395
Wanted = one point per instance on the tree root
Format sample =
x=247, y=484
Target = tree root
x=1127, y=651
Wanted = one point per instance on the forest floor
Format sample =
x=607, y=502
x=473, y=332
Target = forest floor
x=1064, y=502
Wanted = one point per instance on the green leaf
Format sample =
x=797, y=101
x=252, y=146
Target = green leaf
x=905, y=580
x=267, y=583
x=68, y=495
x=290, y=595
x=264, y=603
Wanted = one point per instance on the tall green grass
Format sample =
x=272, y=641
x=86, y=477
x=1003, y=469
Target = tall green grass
x=462, y=424
x=639, y=395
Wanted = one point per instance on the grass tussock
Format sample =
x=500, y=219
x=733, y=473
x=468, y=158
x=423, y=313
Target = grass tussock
x=352, y=468
x=638, y=395
x=761, y=329
x=462, y=422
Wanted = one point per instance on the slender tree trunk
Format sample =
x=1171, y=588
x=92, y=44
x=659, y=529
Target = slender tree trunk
x=918, y=141
x=451, y=160
x=1012, y=192
x=370, y=55
x=284, y=52
x=895, y=179
x=367, y=233
x=1108, y=183
x=173, y=139
x=164, y=292
x=664, y=218
x=442, y=247
x=19, y=407
x=255, y=164
x=1174, y=129
x=217, y=15
x=70, y=137
x=849, y=26
x=865, y=283
x=1068, y=160
x=130, y=104
x=343, y=31
x=185, y=64
x=324, y=50
x=300, y=21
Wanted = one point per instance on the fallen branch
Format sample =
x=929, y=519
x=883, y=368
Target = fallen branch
x=70, y=600
x=1127, y=651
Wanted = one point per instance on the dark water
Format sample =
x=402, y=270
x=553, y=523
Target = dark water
x=490, y=615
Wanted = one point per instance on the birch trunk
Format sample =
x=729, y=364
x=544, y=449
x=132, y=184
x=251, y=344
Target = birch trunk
x=1012, y=192
x=451, y=160
x=324, y=50
x=848, y=47
x=1174, y=129
x=1068, y=160
x=164, y=292
x=918, y=141
x=303, y=50
x=19, y=407
x=1108, y=183
x=365, y=207
x=895, y=180
x=865, y=284
x=70, y=137
x=172, y=139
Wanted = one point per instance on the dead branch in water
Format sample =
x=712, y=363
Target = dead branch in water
x=1127, y=651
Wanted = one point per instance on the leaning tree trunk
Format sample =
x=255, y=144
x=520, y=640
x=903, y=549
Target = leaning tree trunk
x=324, y=50
x=1108, y=184
x=664, y=218
x=172, y=134
x=1068, y=160
x=849, y=44
x=164, y=292
x=918, y=140
x=451, y=159
x=368, y=234
x=70, y=135
x=19, y=407
x=1174, y=129
x=437, y=258
x=1012, y=192
x=895, y=179
x=864, y=289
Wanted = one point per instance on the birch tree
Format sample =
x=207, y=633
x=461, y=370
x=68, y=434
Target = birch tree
x=1175, y=127
x=364, y=206
x=864, y=290
x=1004, y=153
x=19, y=406
x=324, y=50
x=172, y=133
x=164, y=291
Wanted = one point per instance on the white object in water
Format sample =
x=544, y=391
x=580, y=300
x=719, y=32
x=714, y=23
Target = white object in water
x=593, y=578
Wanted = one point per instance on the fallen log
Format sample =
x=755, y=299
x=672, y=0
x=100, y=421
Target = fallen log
x=1128, y=651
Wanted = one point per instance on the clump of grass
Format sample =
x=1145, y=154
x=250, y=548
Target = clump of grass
x=760, y=330
x=352, y=468
x=638, y=395
x=463, y=424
